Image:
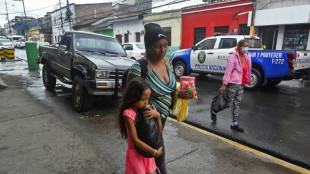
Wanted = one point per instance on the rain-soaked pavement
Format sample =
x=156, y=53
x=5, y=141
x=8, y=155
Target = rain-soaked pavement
x=276, y=120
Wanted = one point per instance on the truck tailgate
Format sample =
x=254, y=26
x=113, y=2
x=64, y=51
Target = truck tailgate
x=302, y=60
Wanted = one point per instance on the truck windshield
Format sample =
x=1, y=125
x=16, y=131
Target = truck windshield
x=101, y=44
x=254, y=43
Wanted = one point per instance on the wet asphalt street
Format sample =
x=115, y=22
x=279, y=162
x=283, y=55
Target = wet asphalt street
x=276, y=120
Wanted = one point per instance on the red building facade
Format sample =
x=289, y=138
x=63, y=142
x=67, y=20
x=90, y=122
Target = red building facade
x=226, y=17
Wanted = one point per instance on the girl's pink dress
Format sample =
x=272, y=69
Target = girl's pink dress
x=136, y=163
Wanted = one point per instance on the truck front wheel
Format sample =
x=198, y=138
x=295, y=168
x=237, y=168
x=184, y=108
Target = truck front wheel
x=180, y=69
x=81, y=100
x=48, y=80
x=256, y=80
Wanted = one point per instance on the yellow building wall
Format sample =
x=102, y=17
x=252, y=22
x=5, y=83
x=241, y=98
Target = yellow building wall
x=168, y=19
x=35, y=33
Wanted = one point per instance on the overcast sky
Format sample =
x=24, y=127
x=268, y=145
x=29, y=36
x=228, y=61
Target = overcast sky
x=38, y=8
x=35, y=8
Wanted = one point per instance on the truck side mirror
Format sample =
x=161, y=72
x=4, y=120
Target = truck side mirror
x=193, y=47
x=62, y=47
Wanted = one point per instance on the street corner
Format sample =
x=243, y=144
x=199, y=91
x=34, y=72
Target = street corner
x=2, y=84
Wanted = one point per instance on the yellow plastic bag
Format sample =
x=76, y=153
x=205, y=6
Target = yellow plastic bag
x=180, y=107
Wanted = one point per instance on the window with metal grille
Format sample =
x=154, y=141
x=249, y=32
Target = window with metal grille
x=119, y=38
x=138, y=37
x=222, y=29
x=199, y=34
x=126, y=38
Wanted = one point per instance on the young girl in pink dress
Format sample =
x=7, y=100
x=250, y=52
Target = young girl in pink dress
x=136, y=97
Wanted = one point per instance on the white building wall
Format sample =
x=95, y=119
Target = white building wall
x=280, y=37
x=56, y=22
x=132, y=26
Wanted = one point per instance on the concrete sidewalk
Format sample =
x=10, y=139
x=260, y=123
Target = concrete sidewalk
x=2, y=84
x=34, y=139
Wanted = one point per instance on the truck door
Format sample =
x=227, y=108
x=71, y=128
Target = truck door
x=65, y=55
x=202, y=56
x=226, y=47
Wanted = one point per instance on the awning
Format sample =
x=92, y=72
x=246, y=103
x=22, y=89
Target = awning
x=22, y=25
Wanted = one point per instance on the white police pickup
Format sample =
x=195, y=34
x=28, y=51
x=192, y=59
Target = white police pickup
x=209, y=56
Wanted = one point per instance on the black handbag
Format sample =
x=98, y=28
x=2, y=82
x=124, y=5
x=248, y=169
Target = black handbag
x=147, y=131
x=218, y=103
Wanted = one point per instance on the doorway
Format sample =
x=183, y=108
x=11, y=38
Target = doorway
x=269, y=37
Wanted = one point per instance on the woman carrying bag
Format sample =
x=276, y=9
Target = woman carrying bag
x=237, y=74
x=159, y=76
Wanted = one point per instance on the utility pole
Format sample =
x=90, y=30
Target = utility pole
x=26, y=28
x=253, y=18
x=62, y=27
x=7, y=16
x=68, y=14
x=25, y=20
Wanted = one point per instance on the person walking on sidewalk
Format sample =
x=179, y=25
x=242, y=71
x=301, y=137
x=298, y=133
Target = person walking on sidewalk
x=237, y=74
x=159, y=76
x=136, y=97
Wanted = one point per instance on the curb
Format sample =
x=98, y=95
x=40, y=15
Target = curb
x=2, y=84
x=267, y=151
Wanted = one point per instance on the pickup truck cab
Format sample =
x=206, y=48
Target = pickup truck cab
x=209, y=56
x=92, y=63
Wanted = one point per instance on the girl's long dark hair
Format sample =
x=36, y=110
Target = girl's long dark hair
x=133, y=94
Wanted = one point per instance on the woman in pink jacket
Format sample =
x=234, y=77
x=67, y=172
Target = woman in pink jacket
x=238, y=73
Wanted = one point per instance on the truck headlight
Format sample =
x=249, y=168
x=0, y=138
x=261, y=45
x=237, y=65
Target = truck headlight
x=102, y=74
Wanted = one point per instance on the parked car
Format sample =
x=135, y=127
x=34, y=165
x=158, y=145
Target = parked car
x=134, y=50
x=15, y=38
x=20, y=43
x=2, y=37
x=269, y=67
x=92, y=63
x=6, y=44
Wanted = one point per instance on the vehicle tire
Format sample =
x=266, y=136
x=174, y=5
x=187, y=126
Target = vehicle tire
x=180, y=69
x=81, y=100
x=272, y=82
x=48, y=80
x=256, y=80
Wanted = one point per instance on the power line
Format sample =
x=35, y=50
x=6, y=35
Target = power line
x=34, y=9
x=131, y=12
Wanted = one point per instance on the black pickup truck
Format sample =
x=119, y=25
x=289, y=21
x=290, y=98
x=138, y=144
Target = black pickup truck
x=92, y=63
